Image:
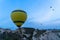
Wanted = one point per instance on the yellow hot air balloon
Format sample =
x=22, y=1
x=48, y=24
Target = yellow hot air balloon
x=18, y=17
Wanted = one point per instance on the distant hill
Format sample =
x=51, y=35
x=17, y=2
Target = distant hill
x=29, y=34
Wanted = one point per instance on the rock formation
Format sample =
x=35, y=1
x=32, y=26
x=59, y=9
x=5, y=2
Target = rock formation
x=29, y=34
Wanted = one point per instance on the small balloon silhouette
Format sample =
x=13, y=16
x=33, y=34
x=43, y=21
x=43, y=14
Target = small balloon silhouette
x=18, y=17
x=50, y=6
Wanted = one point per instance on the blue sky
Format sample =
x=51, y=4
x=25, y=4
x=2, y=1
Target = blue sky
x=42, y=14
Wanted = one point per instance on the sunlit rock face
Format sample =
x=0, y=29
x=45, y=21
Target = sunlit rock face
x=29, y=34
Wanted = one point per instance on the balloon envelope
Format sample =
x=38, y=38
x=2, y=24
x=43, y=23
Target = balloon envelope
x=18, y=17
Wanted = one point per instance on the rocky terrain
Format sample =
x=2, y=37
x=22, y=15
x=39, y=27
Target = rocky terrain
x=29, y=34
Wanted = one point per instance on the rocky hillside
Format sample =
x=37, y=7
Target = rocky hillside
x=29, y=34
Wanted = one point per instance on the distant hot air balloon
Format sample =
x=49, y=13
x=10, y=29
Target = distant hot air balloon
x=50, y=6
x=18, y=17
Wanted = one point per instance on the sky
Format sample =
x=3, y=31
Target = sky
x=42, y=14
